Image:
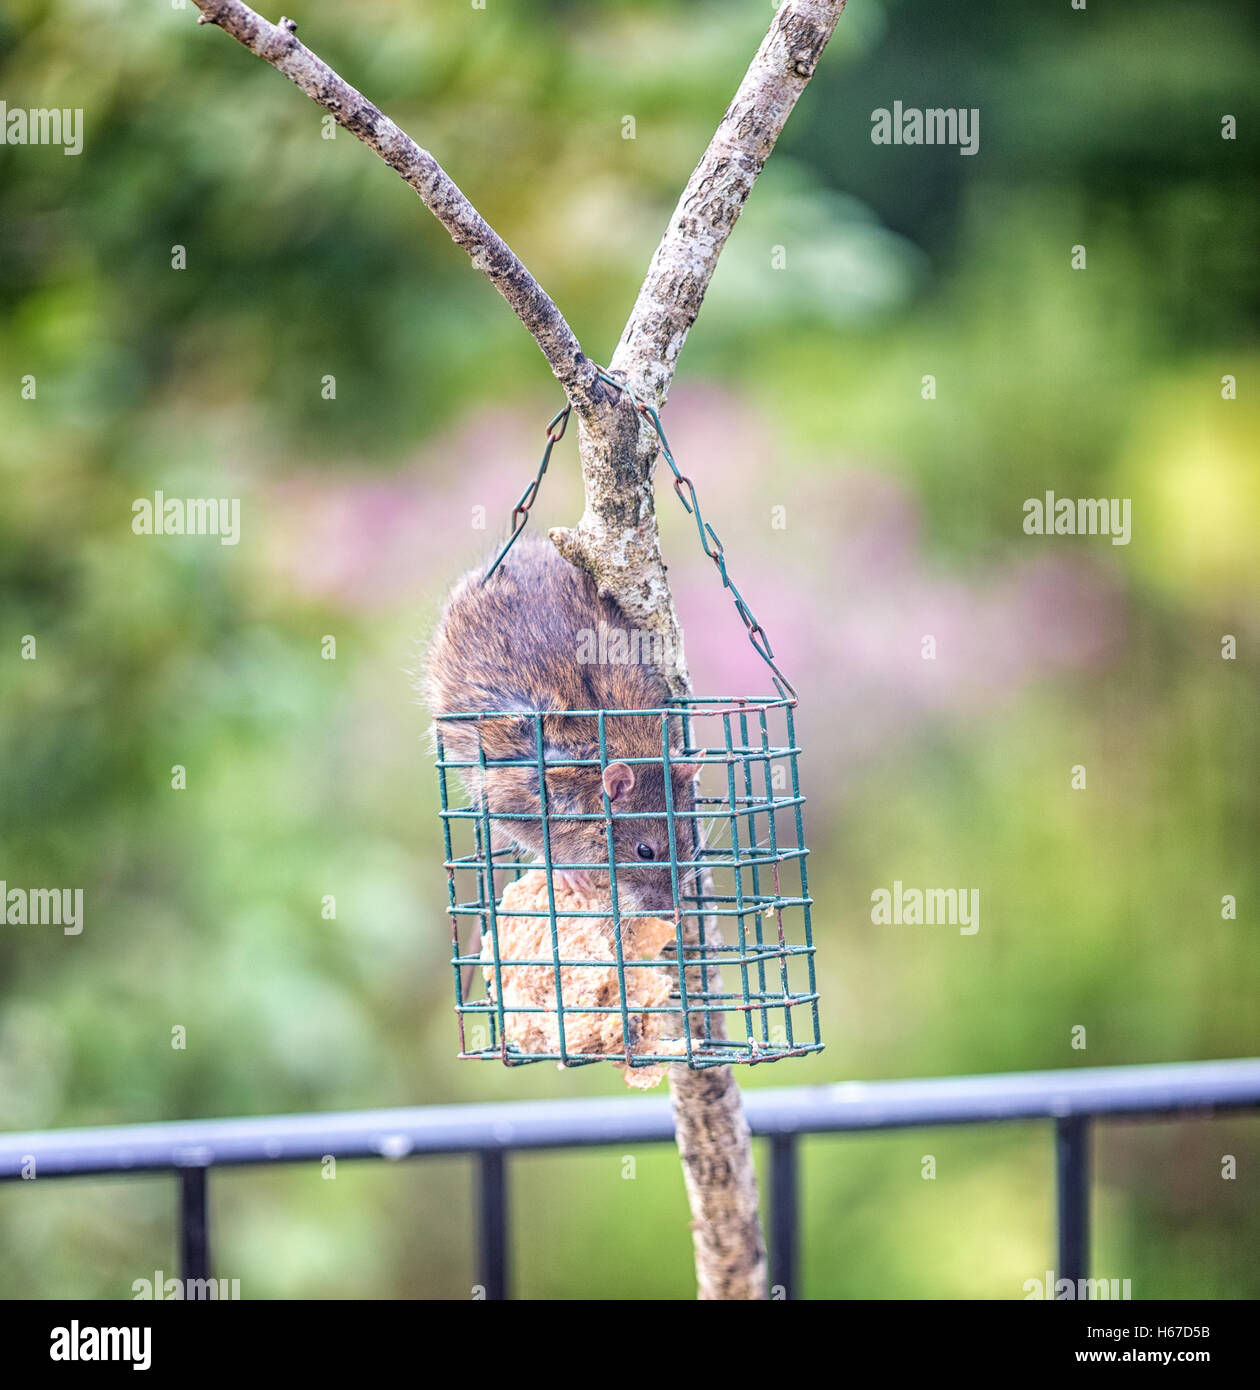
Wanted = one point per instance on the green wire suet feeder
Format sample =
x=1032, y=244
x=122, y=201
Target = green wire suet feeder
x=572, y=961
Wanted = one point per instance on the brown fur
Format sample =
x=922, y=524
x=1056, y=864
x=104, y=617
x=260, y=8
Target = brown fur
x=512, y=645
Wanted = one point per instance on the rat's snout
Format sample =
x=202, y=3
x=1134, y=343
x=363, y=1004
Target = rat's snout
x=649, y=889
x=650, y=884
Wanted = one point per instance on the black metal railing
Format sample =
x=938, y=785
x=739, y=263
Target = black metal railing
x=1071, y=1100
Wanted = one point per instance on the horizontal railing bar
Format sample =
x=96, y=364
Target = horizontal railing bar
x=1165, y=1089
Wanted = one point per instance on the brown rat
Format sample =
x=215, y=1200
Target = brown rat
x=524, y=641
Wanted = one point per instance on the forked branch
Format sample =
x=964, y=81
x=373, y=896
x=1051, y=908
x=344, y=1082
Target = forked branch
x=616, y=539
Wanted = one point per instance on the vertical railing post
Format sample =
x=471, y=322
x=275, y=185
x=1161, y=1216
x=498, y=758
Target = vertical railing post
x=1071, y=1146
x=783, y=1213
x=194, y=1232
x=492, y=1223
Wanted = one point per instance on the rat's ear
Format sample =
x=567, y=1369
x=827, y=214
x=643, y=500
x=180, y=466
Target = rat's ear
x=681, y=768
x=618, y=780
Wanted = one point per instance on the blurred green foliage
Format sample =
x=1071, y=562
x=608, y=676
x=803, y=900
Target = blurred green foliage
x=306, y=258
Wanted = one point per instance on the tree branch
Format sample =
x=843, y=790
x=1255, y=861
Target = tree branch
x=278, y=45
x=617, y=541
x=716, y=193
x=616, y=538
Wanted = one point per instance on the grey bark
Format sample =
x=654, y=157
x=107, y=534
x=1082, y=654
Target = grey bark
x=616, y=539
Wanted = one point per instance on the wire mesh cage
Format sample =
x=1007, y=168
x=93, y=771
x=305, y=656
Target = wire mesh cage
x=664, y=915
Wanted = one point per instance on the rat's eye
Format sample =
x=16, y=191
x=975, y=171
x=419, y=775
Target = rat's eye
x=645, y=851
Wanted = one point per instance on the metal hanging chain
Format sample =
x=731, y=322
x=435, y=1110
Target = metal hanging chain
x=756, y=633
x=520, y=513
